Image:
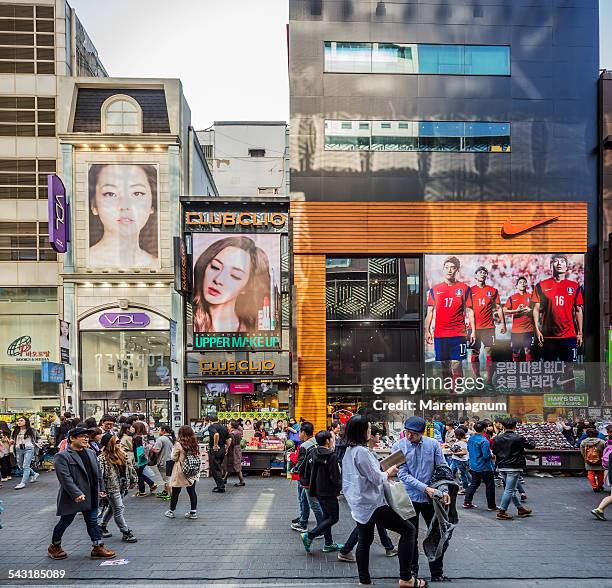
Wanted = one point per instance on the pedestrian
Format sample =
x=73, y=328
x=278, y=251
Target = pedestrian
x=119, y=476
x=334, y=429
x=90, y=423
x=509, y=450
x=107, y=423
x=141, y=461
x=25, y=443
x=260, y=432
x=422, y=455
x=5, y=452
x=584, y=435
x=606, y=461
x=163, y=451
x=125, y=440
x=305, y=501
x=186, y=471
x=592, y=448
x=390, y=549
x=81, y=487
x=232, y=464
x=62, y=431
x=481, y=467
x=218, y=440
x=363, y=485
x=325, y=484
x=459, y=459
x=95, y=435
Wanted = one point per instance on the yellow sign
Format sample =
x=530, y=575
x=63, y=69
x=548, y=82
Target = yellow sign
x=252, y=416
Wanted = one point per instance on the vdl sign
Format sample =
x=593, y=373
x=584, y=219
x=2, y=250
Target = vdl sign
x=124, y=320
x=58, y=214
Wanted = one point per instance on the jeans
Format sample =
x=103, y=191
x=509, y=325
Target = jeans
x=142, y=478
x=24, y=459
x=331, y=515
x=308, y=503
x=91, y=520
x=520, y=487
x=485, y=477
x=193, y=497
x=385, y=540
x=510, y=483
x=115, y=510
x=389, y=519
x=426, y=510
x=216, y=461
x=464, y=474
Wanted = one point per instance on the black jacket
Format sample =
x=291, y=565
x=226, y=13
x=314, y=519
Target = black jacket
x=509, y=449
x=324, y=473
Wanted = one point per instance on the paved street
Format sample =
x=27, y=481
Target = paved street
x=243, y=538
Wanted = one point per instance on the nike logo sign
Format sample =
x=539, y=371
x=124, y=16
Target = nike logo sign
x=510, y=229
x=561, y=382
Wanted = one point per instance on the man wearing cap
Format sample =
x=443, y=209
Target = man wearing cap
x=81, y=484
x=422, y=455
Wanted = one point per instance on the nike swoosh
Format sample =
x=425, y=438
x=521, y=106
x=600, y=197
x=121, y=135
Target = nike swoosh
x=509, y=228
x=560, y=382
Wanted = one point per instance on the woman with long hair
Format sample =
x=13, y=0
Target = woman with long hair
x=231, y=286
x=119, y=476
x=123, y=222
x=139, y=431
x=363, y=484
x=125, y=440
x=186, y=471
x=232, y=463
x=25, y=441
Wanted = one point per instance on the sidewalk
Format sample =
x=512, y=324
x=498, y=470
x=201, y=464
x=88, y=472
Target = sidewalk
x=243, y=538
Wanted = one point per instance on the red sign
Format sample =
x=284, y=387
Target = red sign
x=241, y=388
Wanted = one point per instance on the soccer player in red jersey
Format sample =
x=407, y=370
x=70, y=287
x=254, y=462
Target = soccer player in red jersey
x=558, y=313
x=449, y=305
x=485, y=300
x=518, y=306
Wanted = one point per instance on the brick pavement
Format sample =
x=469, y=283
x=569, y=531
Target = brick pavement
x=243, y=537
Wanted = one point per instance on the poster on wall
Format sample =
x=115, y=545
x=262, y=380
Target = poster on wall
x=236, y=291
x=123, y=227
x=511, y=322
x=64, y=341
x=158, y=370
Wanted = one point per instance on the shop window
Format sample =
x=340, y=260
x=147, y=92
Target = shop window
x=121, y=115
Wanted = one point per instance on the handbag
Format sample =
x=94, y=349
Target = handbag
x=397, y=498
x=153, y=458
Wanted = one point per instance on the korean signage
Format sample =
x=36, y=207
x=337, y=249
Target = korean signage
x=58, y=214
x=565, y=400
x=25, y=349
x=181, y=267
x=52, y=372
x=124, y=320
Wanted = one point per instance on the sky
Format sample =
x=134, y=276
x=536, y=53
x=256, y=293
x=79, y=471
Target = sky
x=231, y=55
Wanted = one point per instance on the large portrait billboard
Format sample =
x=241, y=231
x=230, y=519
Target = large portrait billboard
x=236, y=291
x=123, y=216
x=504, y=315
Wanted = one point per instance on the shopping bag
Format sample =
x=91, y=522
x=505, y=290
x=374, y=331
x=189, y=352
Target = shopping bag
x=397, y=498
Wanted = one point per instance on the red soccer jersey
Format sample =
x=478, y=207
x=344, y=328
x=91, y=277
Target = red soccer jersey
x=557, y=302
x=449, y=302
x=484, y=299
x=520, y=323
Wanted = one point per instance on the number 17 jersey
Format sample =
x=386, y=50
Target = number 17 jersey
x=449, y=302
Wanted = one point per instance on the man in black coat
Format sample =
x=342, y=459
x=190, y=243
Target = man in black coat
x=81, y=483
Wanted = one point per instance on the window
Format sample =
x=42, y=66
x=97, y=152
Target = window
x=412, y=58
x=269, y=191
x=257, y=152
x=449, y=136
x=25, y=241
x=25, y=116
x=25, y=179
x=121, y=115
x=26, y=39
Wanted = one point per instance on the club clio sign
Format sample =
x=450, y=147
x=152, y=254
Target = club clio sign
x=231, y=219
x=124, y=320
x=58, y=214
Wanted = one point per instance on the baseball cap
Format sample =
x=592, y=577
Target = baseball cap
x=415, y=423
x=77, y=432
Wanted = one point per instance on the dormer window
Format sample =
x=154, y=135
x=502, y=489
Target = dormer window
x=121, y=115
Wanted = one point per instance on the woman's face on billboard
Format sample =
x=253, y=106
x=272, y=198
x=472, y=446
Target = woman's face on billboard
x=226, y=275
x=123, y=199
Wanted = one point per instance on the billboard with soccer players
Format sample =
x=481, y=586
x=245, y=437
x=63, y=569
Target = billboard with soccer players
x=484, y=311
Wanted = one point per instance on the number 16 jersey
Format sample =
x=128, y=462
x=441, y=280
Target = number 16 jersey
x=557, y=302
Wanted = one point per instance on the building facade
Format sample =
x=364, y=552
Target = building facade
x=39, y=44
x=420, y=132
x=128, y=154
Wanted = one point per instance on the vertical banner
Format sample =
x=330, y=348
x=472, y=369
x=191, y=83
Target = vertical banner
x=64, y=341
x=181, y=267
x=173, y=357
x=58, y=214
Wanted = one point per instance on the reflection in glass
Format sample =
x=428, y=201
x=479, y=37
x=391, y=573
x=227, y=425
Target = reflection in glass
x=348, y=57
x=347, y=135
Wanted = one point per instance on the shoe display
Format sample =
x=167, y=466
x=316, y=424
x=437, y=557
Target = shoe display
x=56, y=552
x=347, y=557
x=128, y=537
x=101, y=552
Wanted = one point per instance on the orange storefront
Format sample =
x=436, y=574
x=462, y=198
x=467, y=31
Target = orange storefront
x=350, y=229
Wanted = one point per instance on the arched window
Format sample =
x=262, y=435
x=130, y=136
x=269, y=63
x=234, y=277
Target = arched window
x=121, y=115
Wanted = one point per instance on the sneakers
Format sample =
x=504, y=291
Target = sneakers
x=523, y=497
x=105, y=532
x=332, y=547
x=56, y=552
x=218, y=490
x=524, y=512
x=347, y=557
x=469, y=505
x=101, y=552
x=153, y=488
x=298, y=527
x=191, y=515
x=128, y=537
x=391, y=552
x=306, y=541
x=502, y=515
x=34, y=477
x=293, y=521
x=598, y=514
x=140, y=494
x=170, y=514
x=461, y=492
x=20, y=486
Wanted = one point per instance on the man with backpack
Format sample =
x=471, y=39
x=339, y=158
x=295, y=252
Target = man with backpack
x=606, y=462
x=306, y=502
x=592, y=448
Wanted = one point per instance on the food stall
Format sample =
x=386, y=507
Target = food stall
x=553, y=451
